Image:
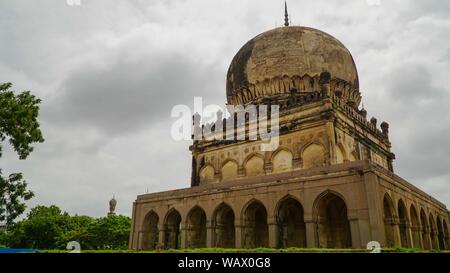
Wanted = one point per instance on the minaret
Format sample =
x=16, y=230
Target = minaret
x=286, y=15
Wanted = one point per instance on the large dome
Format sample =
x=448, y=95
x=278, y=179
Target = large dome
x=289, y=52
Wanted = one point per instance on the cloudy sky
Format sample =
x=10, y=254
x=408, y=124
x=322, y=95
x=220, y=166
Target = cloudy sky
x=110, y=71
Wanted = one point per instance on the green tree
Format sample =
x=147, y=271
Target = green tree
x=111, y=232
x=78, y=230
x=19, y=125
x=42, y=228
x=50, y=228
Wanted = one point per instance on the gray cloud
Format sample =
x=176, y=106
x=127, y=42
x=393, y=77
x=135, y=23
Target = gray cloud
x=413, y=85
x=109, y=73
x=129, y=95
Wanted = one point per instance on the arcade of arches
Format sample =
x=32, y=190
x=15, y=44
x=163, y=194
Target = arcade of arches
x=404, y=227
x=312, y=155
x=329, y=226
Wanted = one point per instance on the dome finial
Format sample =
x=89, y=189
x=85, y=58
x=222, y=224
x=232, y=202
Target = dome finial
x=286, y=15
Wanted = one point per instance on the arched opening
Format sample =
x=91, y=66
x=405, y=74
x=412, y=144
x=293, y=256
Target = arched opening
x=333, y=227
x=229, y=171
x=440, y=233
x=196, y=228
x=389, y=223
x=255, y=229
x=172, y=230
x=291, y=224
x=254, y=166
x=223, y=227
x=425, y=230
x=415, y=227
x=282, y=161
x=433, y=234
x=313, y=156
x=403, y=220
x=150, y=232
x=446, y=235
x=207, y=175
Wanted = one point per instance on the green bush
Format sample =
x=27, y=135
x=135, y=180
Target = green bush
x=50, y=228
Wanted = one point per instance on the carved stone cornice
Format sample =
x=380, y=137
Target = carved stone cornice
x=281, y=88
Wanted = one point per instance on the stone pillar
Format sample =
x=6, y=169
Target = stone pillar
x=356, y=238
x=428, y=237
x=241, y=172
x=183, y=237
x=209, y=234
x=311, y=238
x=238, y=235
x=273, y=229
x=138, y=245
x=365, y=234
x=160, y=237
x=419, y=231
x=434, y=240
x=396, y=226
x=375, y=209
x=217, y=176
x=296, y=162
x=268, y=166
x=409, y=236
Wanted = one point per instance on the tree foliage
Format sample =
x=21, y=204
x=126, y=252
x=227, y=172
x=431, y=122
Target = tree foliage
x=19, y=125
x=19, y=120
x=50, y=228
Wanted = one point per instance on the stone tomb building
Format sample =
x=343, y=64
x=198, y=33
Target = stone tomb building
x=330, y=184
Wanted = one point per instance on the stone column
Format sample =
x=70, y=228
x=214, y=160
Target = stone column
x=209, y=234
x=416, y=241
x=365, y=234
x=268, y=167
x=273, y=228
x=160, y=237
x=354, y=229
x=428, y=237
x=138, y=245
x=296, y=162
x=238, y=235
x=217, y=176
x=183, y=237
x=241, y=172
x=409, y=236
x=311, y=238
x=375, y=210
x=396, y=227
x=434, y=240
x=419, y=231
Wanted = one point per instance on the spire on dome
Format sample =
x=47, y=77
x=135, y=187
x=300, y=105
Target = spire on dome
x=286, y=15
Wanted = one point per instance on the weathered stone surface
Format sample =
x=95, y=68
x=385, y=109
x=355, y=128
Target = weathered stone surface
x=287, y=52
